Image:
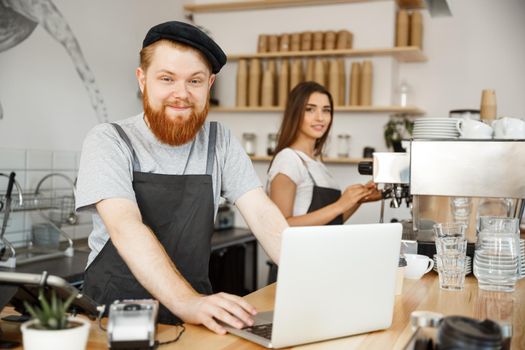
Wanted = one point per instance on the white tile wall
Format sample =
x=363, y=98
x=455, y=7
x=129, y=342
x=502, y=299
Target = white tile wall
x=59, y=182
x=69, y=230
x=16, y=222
x=39, y=160
x=64, y=160
x=18, y=239
x=84, y=218
x=33, y=177
x=77, y=160
x=83, y=230
x=31, y=166
x=12, y=159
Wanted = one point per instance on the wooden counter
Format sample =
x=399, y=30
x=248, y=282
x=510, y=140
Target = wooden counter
x=417, y=295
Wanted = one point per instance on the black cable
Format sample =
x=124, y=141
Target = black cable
x=100, y=315
x=100, y=324
x=157, y=343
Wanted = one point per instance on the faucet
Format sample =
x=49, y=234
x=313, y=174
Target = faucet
x=72, y=217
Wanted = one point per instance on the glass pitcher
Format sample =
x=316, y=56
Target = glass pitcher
x=496, y=258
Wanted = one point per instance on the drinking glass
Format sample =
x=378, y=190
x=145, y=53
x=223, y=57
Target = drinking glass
x=450, y=238
x=451, y=269
x=449, y=229
x=451, y=248
x=461, y=208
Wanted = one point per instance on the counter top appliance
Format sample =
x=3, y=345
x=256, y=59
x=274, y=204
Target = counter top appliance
x=437, y=174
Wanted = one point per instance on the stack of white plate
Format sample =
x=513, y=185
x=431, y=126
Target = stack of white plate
x=522, y=258
x=435, y=128
x=468, y=267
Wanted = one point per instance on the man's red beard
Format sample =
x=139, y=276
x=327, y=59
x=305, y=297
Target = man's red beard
x=173, y=132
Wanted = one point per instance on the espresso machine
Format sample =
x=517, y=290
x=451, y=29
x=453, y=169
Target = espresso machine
x=445, y=180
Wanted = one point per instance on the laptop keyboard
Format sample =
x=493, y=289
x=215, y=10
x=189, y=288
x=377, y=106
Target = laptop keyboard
x=262, y=330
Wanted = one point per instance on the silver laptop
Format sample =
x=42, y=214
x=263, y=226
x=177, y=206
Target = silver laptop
x=333, y=281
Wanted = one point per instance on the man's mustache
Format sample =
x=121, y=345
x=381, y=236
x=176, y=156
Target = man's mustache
x=179, y=104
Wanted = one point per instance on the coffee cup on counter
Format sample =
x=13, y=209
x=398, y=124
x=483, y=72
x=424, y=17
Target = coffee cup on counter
x=417, y=266
x=509, y=128
x=473, y=129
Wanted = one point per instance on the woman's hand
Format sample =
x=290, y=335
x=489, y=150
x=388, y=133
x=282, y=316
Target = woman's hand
x=374, y=193
x=352, y=196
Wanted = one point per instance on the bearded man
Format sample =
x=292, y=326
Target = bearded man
x=153, y=183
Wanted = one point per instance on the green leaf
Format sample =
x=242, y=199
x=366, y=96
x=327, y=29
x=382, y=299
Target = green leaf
x=54, y=302
x=31, y=311
x=69, y=301
x=52, y=313
x=43, y=302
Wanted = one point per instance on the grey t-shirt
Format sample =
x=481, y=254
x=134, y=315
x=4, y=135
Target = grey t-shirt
x=106, y=168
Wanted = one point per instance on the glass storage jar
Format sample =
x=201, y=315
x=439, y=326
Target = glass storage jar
x=343, y=145
x=249, y=142
x=272, y=144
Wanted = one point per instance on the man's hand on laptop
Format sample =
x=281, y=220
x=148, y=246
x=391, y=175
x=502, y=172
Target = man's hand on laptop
x=208, y=309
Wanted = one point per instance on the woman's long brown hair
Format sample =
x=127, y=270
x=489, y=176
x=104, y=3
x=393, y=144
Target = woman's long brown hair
x=294, y=116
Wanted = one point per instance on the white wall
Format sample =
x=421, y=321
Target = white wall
x=479, y=47
x=45, y=104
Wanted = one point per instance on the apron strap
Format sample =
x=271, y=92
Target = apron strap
x=125, y=138
x=306, y=166
x=211, y=148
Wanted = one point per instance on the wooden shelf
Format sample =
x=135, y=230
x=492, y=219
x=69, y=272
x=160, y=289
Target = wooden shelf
x=402, y=54
x=268, y=4
x=411, y=4
x=353, y=109
x=325, y=160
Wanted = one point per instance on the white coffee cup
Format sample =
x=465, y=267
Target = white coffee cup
x=509, y=128
x=473, y=129
x=417, y=266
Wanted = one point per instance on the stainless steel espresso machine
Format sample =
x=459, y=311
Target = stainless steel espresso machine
x=451, y=180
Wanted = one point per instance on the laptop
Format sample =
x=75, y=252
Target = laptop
x=333, y=281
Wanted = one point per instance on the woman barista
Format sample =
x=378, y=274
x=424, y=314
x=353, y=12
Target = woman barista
x=299, y=183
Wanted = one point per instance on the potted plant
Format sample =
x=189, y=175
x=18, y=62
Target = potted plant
x=51, y=328
x=397, y=129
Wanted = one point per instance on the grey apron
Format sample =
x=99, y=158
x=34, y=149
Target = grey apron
x=179, y=209
x=323, y=196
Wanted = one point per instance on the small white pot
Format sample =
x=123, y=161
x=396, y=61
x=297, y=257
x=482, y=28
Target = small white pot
x=63, y=339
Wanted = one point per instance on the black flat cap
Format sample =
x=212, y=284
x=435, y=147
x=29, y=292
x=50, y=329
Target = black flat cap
x=190, y=35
